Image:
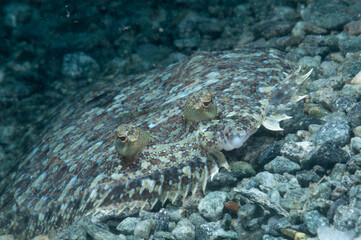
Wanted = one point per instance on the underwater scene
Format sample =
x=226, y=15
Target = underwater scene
x=183, y=119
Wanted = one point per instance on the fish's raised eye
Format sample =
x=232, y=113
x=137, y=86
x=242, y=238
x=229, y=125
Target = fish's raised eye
x=122, y=139
x=207, y=103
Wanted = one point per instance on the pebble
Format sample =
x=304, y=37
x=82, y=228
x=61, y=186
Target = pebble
x=268, y=153
x=297, y=151
x=306, y=177
x=241, y=170
x=350, y=45
x=161, y=220
x=325, y=14
x=214, y=230
x=143, y=228
x=211, y=206
x=354, y=115
x=313, y=220
x=346, y=217
x=184, y=230
x=281, y=165
x=353, y=28
x=336, y=131
x=98, y=233
x=196, y=219
x=295, y=199
x=356, y=79
x=7, y=237
x=357, y=131
x=327, y=233
x=127, y=225
x=328, y=155
x=78, y=65
x=356, y=144
x=7, y=134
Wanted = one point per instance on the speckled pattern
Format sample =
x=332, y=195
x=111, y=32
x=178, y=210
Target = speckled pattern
x=75, y=169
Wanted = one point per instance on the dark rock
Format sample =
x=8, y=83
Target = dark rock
x=343, y=104
x=220, y=180
x=354, y=115
x=270, y=29
x=351, y=45
x=306, y=177
x=325, y=14
x=269, y=153
x=161, y=220
x=241, y=170
x=328, y=155
x=331, y=212
x=311, y=46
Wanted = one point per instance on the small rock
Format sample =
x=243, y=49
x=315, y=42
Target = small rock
x=327, y=233
x=338, y=171
x=163, y=235
x=328, y=155
x=221, y=180
x=241, y=170
x=7, y=134
x=356, y=144
x=336, y=131
x=295, y=199
x=213, y=230
x=281, y=165
x=351, y=45
x=98, y=233
x=268, y=153
x=308, y=62
x=306, y=177
x=354, y=115
x=127, y=225
x=270, y=29
x=143, y=228
x=313, y=220
x=357, y=131
x=328, y=15
x=79, y=65
x=356, y=79
x=161, y=220
x=353, y=28
x=184, y=230
x=176, y=216
x=297, y=151
x=7, y=237
x=211, y=206
x=196, y=219
x=346, y=217
x=302, y=28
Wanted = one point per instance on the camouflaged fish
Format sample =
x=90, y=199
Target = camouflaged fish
x=146, y=139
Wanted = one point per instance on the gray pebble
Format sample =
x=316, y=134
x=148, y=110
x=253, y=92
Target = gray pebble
x=313, y=220
x=143, y=228
x=346, y=217
x=184, y=230
x=281, y=165
x=268, y=153
x=196, y=219
x=356, y=144
x=79, y=65
x=127, y=225
x=7, y=134
x=211, y=206
x=354, y=115
x=336, y=131
x=351, y=45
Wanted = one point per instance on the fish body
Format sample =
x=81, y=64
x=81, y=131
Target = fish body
x=75, y=168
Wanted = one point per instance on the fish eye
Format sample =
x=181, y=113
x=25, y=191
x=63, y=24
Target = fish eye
x=122, y=139
x=207, y=103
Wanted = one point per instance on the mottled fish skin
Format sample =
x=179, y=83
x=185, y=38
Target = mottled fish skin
x=75, y=169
